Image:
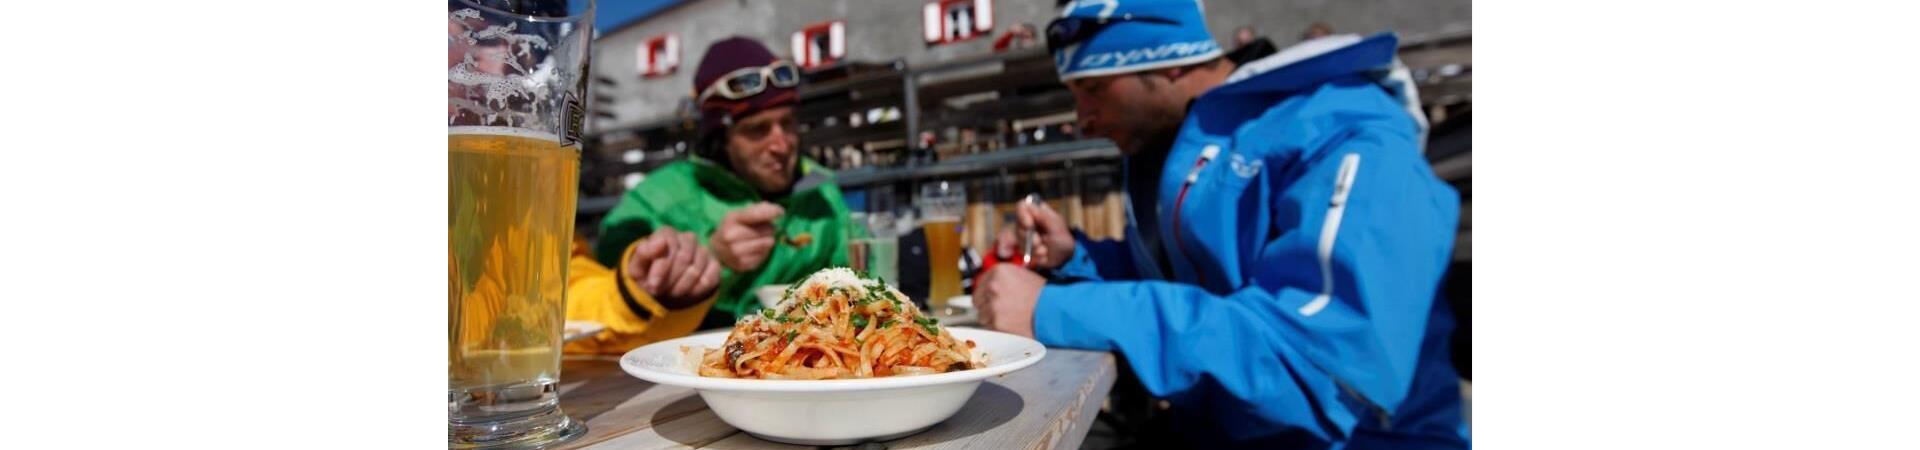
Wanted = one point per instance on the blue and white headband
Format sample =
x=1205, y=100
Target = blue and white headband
x=1116, y=36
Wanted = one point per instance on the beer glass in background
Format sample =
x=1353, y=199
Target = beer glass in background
x=883, y=247
x=883, y=224
x=856, y=237
x=516, y=76
x=941, y=205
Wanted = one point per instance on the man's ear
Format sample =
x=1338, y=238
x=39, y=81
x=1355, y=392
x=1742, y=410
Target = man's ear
x=1176, y=72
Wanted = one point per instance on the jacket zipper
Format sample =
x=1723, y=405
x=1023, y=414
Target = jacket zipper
x=1193, y=175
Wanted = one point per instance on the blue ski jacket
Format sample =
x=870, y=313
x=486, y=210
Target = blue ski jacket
x=1308, y=237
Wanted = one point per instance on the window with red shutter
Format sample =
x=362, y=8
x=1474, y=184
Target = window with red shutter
x=820, y=44
x=660, y=56
x=950, y=21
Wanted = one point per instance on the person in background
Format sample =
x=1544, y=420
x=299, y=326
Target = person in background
x=767, y=215
x=1317, y=30
x=1243, y=36
x=1276, y=287
x=1020, y=36
x=1249, y=46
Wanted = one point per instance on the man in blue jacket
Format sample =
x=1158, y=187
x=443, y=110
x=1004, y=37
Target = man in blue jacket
x=1278, y=279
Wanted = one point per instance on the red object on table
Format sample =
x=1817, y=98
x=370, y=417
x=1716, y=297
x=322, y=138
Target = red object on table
x=993, y=258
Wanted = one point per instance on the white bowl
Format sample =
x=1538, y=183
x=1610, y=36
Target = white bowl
x=770, y=294
x=832, y=412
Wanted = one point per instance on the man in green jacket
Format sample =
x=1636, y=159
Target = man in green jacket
x=769, y=216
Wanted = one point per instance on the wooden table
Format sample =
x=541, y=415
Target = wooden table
x=1049, y=405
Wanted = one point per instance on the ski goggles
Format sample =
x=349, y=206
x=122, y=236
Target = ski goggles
x=751, y=81
x=1066, y=31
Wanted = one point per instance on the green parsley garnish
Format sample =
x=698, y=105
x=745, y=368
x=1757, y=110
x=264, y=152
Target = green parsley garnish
x=792, y=334
x=928, y=323
x=859, y=321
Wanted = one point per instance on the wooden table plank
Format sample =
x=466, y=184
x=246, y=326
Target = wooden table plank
x=1050, y=405
x=1042, y=407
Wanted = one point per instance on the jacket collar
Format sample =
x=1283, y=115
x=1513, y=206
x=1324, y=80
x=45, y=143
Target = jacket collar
x=1311, y=63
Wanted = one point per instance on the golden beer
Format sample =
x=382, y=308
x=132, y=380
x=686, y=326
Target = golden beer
x=516, y=85
x=942, y=204
x=510, y=206
x=943, y=261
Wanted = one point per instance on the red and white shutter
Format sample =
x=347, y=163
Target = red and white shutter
x=643, y=59
x=800, y=55
x=672, y=54
x=932, y=24
x=659, y=56
x=837, y=40
x=937, y=25
x=982, y=16
x=807, y=55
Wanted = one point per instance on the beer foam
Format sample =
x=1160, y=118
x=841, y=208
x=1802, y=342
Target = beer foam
x=503, y=131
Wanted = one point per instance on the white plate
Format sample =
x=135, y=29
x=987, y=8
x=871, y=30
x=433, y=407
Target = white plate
x=580, y=329
x=832, y=412
x=959, y=312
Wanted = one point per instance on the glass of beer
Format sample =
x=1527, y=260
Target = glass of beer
x=941, y=205
x=516, y=76
x=883, y=248
x=856, y=236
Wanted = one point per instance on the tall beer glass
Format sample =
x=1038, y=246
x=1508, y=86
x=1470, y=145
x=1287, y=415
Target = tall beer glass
x=942, y=204
x=516, y=74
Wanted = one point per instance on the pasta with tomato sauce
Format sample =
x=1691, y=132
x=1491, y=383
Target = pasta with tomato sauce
x=836, y=325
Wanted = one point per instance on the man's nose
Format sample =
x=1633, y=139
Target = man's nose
x=1083, y=113
x=783, y=138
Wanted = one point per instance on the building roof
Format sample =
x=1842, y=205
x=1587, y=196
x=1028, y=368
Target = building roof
x=614, y=15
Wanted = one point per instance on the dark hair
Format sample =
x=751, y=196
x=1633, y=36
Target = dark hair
x=713, y=147
x=1162, y=72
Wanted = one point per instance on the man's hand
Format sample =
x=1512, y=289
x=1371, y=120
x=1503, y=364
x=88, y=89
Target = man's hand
x=1055, y=245
x=745, y=236
x=1006, y=295
x=673, y=268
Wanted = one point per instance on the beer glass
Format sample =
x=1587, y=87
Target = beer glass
x=883, y=248
x=873, y=245
x=941, y=206
x=856, y=236
x=516, y=81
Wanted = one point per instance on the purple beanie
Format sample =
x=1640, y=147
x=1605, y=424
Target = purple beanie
x=724, y=57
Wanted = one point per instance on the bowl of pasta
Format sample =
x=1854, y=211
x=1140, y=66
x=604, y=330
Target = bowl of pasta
x=838, y=348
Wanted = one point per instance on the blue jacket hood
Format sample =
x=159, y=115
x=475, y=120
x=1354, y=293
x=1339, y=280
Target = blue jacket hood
x=1311, y=63
x=1318, y=61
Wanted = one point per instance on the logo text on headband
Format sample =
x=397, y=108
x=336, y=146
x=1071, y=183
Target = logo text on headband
x=1121, y=58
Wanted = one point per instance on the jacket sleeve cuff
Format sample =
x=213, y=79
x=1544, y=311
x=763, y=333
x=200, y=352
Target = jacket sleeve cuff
x=637, y=300
x=1080, y=265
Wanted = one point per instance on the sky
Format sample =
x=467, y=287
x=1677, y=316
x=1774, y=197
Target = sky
x=614, y=13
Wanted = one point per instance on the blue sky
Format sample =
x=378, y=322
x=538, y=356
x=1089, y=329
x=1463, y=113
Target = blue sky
x=614, y=13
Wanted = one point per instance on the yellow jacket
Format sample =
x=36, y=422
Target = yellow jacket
x=632, y=318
